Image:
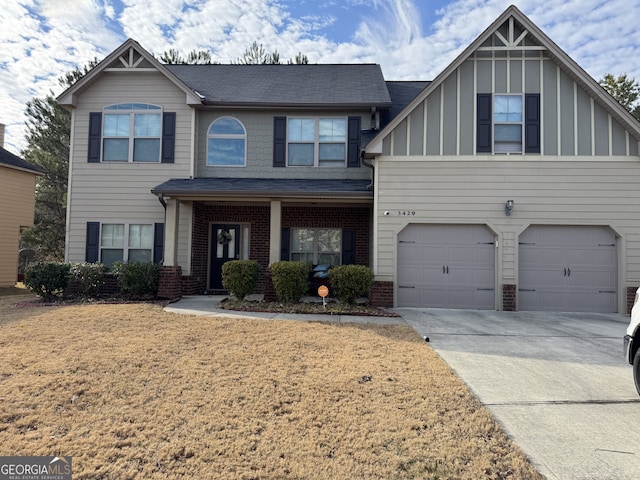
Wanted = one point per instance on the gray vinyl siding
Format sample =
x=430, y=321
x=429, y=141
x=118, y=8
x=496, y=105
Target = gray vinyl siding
x=567, y=116
x=551, y=192
x=467, y=103
x=400, y=139
x=549, y=104
x=114, y=192
x=450, y=116
x=259, y=164
x=416, y=122
x=433, y=123
x=572, y=122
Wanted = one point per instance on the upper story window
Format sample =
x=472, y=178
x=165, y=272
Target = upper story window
x=317, y=142
x=227, y=143
x=131, y=132
x=508, y=123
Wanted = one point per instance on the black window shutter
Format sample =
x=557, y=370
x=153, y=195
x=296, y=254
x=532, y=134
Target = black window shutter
x=348, y=246
x=158, y=242
x=168, y=137
x=353, y=142
x=279, y=141
x=92, y=249
x=483, y=123
x=532, y=123
x=95, y=134
x=284, y=243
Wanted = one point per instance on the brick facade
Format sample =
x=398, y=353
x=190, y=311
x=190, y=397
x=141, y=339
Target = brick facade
x=509, y=298
x=631, y=295
x=170, y=283
x=381, y=294
x=357, y=218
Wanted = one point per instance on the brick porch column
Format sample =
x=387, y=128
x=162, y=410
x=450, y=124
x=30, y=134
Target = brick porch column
x=170, y=283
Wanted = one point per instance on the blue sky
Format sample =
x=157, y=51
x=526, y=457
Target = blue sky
x=40, y=40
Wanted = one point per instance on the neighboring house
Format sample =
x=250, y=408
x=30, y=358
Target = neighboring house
x=17, y=206
x=509, y=182
x=194, y=165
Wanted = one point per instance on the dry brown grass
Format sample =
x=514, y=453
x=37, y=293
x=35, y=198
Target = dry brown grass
x=132, y=392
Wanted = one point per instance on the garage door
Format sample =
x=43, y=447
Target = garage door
x=567, y=269
x=446, y=266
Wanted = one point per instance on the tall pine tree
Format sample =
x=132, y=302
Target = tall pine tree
x=48, y=131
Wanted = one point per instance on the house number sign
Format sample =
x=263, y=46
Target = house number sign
x=401, y=213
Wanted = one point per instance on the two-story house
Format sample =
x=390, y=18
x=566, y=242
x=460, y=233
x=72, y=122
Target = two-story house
x=195, y=165
x=507, y=182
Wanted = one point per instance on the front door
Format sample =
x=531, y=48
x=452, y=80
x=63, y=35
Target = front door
x=225, y=246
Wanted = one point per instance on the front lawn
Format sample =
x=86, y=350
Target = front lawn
x=133, y=392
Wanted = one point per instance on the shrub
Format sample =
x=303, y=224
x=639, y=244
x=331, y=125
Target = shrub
x=137, y=278
x=88, y=278
x=47, y=279
x=349, y=282
x=290, y=280
x=240, y=277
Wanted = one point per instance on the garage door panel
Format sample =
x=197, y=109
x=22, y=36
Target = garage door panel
x=447, y=266
x=567, y=268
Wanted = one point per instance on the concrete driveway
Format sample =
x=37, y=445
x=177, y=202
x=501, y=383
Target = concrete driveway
x=557, y=382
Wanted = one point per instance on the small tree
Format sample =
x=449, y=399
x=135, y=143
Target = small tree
x=240, y=277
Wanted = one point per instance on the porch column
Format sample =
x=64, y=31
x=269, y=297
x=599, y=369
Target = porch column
x=171, y=222
x=275, y=232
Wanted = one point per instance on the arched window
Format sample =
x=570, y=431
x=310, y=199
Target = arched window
x=226, y=143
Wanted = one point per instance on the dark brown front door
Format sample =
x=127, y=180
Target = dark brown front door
x=225, y=246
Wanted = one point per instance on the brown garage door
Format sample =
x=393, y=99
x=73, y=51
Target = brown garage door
x=567, y=269
x=446, y=266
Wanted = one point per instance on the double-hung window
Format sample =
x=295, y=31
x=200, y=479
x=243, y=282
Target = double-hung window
x=508, y=123
x=316, y=142
x=131, y=132
x=125, y=243
x=316, y=245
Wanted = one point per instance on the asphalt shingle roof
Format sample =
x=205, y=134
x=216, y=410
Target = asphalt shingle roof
x=8, y=158
x=279, y=187
x=287, y=85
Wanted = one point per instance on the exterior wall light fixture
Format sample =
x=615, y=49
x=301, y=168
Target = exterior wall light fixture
x=508, y=207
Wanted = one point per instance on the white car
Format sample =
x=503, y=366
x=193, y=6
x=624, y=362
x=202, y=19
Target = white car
x=632, y=341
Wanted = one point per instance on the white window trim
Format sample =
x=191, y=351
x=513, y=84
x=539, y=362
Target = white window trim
x=233, y=136
x=316, y=141
x=494, y=123
x=125, y=241
x=131, y=137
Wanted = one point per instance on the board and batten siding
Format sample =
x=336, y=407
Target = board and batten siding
x=17, y=204
x=572, y=123
x=550, y=191
x=258, y=125
x=119, y=192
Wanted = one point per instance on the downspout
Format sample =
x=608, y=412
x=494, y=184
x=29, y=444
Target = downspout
x=370, y=165
x=162, y=201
